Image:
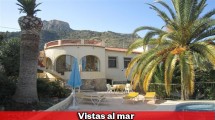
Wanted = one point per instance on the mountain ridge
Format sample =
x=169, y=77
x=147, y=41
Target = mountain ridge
x=56, y=29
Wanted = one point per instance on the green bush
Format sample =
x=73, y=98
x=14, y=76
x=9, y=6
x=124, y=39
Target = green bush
x=45, y=88
x=57, y=90
x=7, y=88
x=9, y=57
x=204, y=84
x=48, y=88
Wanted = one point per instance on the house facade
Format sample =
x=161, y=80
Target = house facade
x=98, y=64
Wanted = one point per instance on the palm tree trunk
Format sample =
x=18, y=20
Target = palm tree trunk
x=26, y=91
x=184, y=94
x=27, y=87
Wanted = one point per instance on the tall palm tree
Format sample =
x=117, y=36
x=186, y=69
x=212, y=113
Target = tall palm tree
x=187, y=33
x=30, y=25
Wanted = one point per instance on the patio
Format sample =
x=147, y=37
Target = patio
x=114, y=102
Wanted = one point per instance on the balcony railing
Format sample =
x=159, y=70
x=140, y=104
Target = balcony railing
x=74, y=42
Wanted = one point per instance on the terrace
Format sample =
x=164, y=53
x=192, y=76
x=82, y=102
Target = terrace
x=69, y=42
x=114, y=103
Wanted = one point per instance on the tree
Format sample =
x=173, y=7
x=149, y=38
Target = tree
x=9, y=57
x=187, y=34
x=30, y=25
x=1, y=38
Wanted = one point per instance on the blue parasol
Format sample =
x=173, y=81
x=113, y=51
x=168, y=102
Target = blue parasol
x=74, y=80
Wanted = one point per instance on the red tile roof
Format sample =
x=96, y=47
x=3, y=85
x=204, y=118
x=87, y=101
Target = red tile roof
x=120, y=50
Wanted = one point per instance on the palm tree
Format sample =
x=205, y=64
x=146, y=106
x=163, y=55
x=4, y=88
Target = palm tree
x=187, y=34
x=30, y=25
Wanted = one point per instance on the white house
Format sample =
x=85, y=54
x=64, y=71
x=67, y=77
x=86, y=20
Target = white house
x=98, y=64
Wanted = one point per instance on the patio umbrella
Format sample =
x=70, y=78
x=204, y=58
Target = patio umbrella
x=74, y=80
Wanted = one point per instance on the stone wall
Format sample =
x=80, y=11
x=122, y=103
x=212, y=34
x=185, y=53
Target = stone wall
x=94, y=84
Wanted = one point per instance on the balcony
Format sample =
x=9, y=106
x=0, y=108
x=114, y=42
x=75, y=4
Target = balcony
x=65, y=42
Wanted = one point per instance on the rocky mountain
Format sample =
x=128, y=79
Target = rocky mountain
x=55, y=29
x=56, y=25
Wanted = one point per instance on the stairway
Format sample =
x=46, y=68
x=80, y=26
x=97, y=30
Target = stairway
x=54, y=73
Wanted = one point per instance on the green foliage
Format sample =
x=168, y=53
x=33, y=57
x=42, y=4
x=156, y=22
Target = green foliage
x=7, y=88
x=9, y=67
x=9, y=61
x=28, y=7
x=158, y=76
x=186, y=36
x=205, y=85
x=48, y=88
x=43, y=88
x=160, y=91
x=1, y=38
x=57, y=90
x=158, y=85
x=204, y=90
x=9, y=57
x=202, y=76
x=212, y=75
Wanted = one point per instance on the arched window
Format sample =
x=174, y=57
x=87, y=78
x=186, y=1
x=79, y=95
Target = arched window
x=64, y=63
x=48, y=63
x=90, y=63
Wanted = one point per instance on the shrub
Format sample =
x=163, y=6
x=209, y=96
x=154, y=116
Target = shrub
x=43, y=89
x=48, y=88
x=7, y=89
x=9, y=57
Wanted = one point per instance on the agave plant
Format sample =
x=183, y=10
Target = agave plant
x=30, y=25
x=187, y=33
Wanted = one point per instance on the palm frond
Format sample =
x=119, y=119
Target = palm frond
x=151, y=68
x=140, y=68
x=187, y=10
x=200, y=62
x=168, y=8
x=169, y=69
x=199, y=27
x=192, y=16
x=207, y=33
x=209, y=40
x=200, y=7
x=135, y=80
x=179, y=8
x=131, y=64
x=191, y=73
x=28, y=6
x=209, y=14
x=136, y=44
x=146, y=28
x=172, y=36
x=149, y=36
x=184, y=71
x=158, y=76
x=162, y=14
x=206, y=50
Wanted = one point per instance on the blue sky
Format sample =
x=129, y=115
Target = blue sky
x=121, y=16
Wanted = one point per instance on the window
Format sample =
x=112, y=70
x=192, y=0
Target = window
x=112, y=62
x=90, y=63
x=126, y=62
x=64, y=63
